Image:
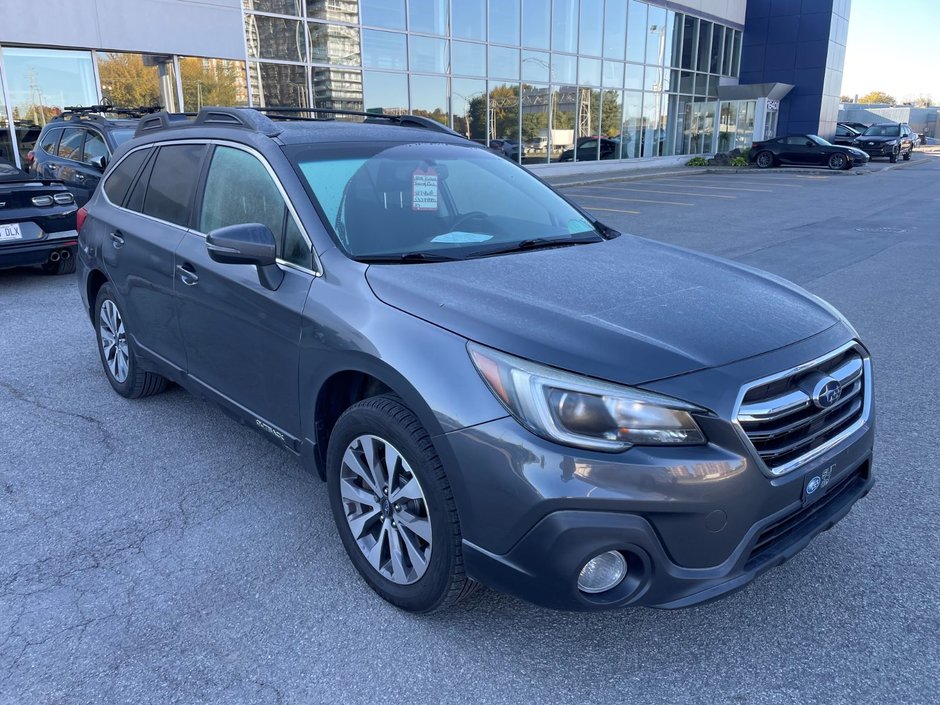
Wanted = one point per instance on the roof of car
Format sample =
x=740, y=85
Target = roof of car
x=344, y=131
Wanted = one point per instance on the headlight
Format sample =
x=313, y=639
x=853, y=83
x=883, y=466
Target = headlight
x=584, y=412
x=891, y=143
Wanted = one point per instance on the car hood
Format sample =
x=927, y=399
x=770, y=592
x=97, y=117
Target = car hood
x=627, y=310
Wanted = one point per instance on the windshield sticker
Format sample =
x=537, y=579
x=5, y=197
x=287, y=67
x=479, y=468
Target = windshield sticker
x=459, y=237
x=424, y=190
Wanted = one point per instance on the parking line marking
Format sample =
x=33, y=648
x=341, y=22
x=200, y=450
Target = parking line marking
x=719, y=188
x=610, y=210
x=668, y=193
x=632, y=200
x=751, y=181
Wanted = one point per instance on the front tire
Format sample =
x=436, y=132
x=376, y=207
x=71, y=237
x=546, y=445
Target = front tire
x=121, y=366
x=907, y=155
x=394, y=508
x=764, y=160
x=894, y=157
x=838, y=162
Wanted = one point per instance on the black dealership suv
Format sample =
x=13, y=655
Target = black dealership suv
x=496, y=386
x=77, y=145
x=891, y=140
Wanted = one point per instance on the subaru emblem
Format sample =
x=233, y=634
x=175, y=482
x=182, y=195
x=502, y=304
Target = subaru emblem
x=827, y=392
x=813, y=485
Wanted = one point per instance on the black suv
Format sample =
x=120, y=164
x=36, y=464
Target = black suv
x=890, y=139
x=77, y=145
x=496, y=386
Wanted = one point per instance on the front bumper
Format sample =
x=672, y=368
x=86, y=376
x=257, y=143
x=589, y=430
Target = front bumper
x=693, y=522
x=878, y=150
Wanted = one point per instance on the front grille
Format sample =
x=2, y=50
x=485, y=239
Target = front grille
x=784, y=422
x=792, y=528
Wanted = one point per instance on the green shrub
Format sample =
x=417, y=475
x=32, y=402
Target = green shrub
x=739, y=161
x=697, y=161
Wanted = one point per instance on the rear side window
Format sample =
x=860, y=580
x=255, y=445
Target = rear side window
x=172, y=183
x=94, y=147
x=120, y=180
x=49, y=141
x=70, y=147
x=239, y=189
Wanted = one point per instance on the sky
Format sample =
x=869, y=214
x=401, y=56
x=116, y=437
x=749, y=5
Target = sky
x=893, y=46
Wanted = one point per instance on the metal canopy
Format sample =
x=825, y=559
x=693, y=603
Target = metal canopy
x=753, y=91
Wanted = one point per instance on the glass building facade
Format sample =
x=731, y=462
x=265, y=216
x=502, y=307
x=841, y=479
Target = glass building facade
x=618, y=79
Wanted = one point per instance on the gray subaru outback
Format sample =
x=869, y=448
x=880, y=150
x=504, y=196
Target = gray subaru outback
x=497, y=388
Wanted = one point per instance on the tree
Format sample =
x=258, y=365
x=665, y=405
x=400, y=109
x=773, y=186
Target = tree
x=845, y=99
x=877, y=97
x=126, y=81
x=210, y=82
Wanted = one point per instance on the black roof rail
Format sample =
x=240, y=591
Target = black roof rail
x=77, y=112
x=263, y=119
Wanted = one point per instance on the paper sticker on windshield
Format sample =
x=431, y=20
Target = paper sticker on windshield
x=424, y=190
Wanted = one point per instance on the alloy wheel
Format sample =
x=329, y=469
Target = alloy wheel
x=386, y=509
x=113, y=340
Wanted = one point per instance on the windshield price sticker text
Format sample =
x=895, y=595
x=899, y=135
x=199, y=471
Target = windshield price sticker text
x=424, y=190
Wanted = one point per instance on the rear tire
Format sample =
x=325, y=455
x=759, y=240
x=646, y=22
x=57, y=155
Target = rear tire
x=120, y=362
x=382, y=467
x=764, y=160
x=63, y=266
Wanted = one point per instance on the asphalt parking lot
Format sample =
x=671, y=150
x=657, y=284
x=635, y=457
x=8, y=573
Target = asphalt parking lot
x=156, y=552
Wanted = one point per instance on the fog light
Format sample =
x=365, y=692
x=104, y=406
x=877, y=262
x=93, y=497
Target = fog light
x=602, y=573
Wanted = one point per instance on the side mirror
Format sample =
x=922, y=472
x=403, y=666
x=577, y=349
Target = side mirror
x=100, y=162
x=247, y=243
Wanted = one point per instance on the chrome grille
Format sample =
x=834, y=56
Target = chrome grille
x=783, y=420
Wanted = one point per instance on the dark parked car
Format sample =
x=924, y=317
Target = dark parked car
x=37, y=222
x=76, y=146
x=508, y=148
x=591, y=149
x=845, y=135
x=496, y=386
x=891, y=140
x=857, y=126
x=804, y=150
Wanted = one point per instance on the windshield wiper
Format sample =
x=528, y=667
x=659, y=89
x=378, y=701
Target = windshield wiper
x=408, y=257
x=539, y=243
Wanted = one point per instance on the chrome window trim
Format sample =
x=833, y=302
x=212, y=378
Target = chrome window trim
x=318, y=272
x=832, y=442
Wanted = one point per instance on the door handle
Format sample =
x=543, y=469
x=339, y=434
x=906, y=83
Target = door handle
x=187, y=276
x=117, y=239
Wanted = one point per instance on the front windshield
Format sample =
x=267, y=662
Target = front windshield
x=432, y=199
x=883, y=131
x=820, y=141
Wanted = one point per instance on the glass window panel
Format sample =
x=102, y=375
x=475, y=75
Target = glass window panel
x=718, y=49
x=611, y=121
x=334, y=44
x=120, y=179
x=384, y=50
x=383, y=13
x=468, y=102
x=650, y=135
x=535, y=110
x=504, y=118
x=689, y=34
x=670, y=120
x=654, y=78
x=172, y=183
x=636, y=31
x=535, y=66
x=94, y=147
x=536, y=23
x=592, y=27
x=469, y=17
x=132, y=80
x=686, y=82
x=633, y=76
x=468, y=58
x=429, y=16
x=656, y=35
x=504, y=62
x=673, y=34
x=504, y=21
x=704, y=44
x=70, y=146
x=589, y=115
x=428, y=54
x=726, y=64
x=564, y=105
x=334, y=10
x=275, y=38
x=565, y=26
x=279, y=85
x=632, y=124
x=613, y=74
x=736, y=55
x=564, y=68
x=7, y=152
x=212, y=82
x=280, y=7
x=337, y=89
x=40, y=82
x=385, y=92
x=429, y=98
x=589, y=72
x=615, y=29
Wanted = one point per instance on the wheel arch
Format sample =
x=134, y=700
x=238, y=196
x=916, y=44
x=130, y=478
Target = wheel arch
x=96, y=279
